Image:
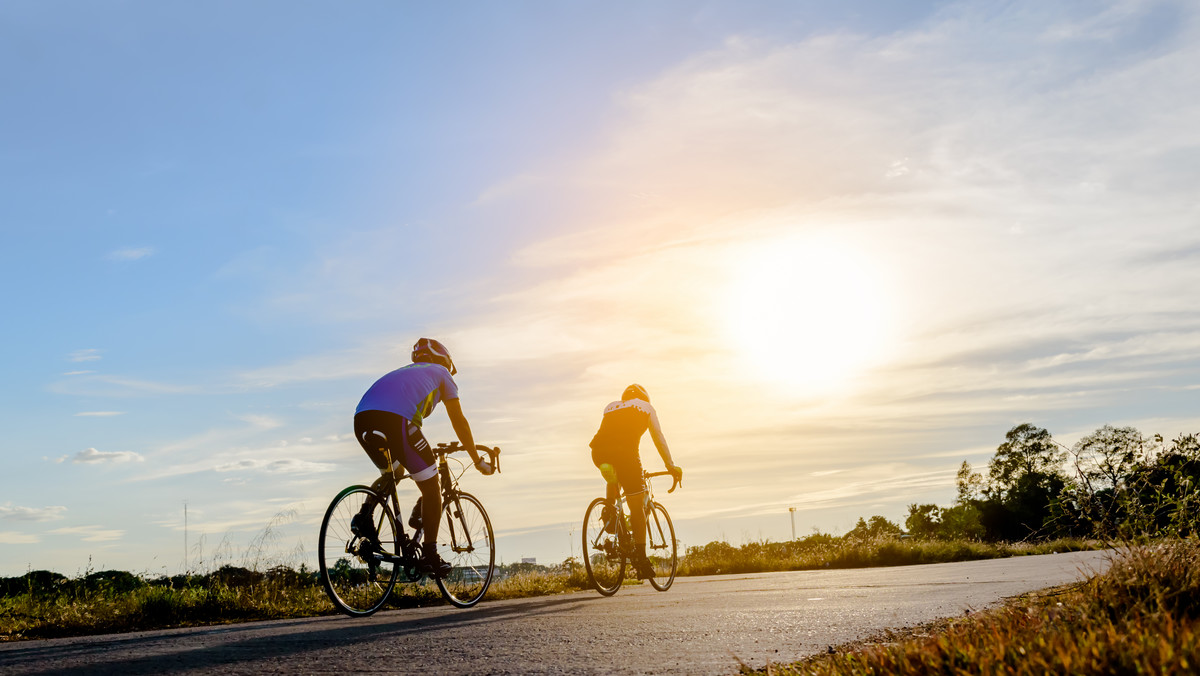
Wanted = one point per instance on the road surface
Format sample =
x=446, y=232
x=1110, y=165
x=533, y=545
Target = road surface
x=702, y=625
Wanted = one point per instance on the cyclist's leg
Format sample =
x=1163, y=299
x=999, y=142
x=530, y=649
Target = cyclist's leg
x=628, y=466
x=629, y=472
x=431, y=511
x=421, y=464
x=612, y=488
x=376, y=432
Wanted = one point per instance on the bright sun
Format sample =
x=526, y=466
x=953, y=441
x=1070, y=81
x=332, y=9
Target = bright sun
x=808, y=313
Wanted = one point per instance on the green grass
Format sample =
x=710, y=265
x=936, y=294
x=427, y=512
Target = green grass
x=1141, y=617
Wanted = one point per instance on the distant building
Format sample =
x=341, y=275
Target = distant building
x=532, y=559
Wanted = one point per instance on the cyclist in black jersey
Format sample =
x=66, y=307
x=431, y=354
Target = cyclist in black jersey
x=615, y=452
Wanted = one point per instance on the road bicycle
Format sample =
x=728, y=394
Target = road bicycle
x=359, y=573
x=608, y=543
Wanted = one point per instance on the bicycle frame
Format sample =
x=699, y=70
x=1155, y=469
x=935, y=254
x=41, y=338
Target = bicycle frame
x=625, y=537
x=449, y=491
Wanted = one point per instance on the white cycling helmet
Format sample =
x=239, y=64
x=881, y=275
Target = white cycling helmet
x=635, y=391
x=431, y=351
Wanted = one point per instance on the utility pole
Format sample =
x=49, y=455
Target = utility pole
x=185, y=538
x=792, y=511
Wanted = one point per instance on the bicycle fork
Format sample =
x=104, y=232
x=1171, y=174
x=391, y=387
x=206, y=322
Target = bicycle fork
x=450, y=498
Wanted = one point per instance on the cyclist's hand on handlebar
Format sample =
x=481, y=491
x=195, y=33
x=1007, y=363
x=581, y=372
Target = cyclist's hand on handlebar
x=485, y=468
x=676, y=474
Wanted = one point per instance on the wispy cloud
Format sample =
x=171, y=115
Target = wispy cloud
x=10, y=512
x=99, y=414
x=8, y=537
x=281, y=466
x=131, y=253
x=91, y=533
x=261, y=422
x=89, y=384
x=92, y=456
x=361, y=362
x=90, y=354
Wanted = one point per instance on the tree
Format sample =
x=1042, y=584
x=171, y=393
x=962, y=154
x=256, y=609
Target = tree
x=1106, y=461
x=962, y=522
x=1025, y=510
x=969, y=484
x=1027, y=450
x=876, y=527
x=1106, y=458
x=923, y=520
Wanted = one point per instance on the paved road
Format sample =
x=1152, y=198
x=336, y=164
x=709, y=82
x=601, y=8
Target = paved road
x=703, y=625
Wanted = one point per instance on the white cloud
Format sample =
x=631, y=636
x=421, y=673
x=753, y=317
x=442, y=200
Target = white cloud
x=261, y=422
x=91, y=533
x=90, y=354
x=17, y=513
x=131, y=254
x=8, y=537
x=90, y=385
x=280, y=466
x=92, y=456
x=360, y=362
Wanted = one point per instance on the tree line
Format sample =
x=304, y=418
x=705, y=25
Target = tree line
x=1114, y=483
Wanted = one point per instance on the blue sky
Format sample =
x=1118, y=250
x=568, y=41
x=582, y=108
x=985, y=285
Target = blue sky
x=845, y=249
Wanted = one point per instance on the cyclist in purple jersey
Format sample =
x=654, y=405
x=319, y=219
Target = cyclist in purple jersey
x=388, y=419
x=615, y=452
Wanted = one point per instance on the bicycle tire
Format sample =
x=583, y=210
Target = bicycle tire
x=466, y=542
x=602, y=555
x=661, y=547
x=356, y=580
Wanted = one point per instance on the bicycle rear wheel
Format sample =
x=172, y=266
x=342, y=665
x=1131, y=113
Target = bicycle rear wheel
x=465, y=541
x=602, y=555
x=661, y=547
x=358, y=573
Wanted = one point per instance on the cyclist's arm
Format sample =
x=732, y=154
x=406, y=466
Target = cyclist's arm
x=660, y=442
x=462, y=428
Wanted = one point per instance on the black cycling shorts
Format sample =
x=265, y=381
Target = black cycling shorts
x=403, y=441
x=627, y=464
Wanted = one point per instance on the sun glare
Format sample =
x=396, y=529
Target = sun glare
x=807, y=313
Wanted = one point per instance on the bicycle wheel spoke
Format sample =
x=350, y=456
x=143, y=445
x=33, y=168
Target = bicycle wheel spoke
x=661, y=547
x=357, y=573
x=465, y=541
x=602, y=555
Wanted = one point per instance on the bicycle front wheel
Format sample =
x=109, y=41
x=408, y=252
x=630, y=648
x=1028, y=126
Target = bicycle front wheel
x=465, y=541
x=661, y=547
x=358, y=573
x=602, y=555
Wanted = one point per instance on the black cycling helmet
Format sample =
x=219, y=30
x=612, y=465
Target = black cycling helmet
x=431, y=351
x=635, y=391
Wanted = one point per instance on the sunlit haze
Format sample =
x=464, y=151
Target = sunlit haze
x=845, y=249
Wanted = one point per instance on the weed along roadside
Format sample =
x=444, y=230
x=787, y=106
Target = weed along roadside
x=1140, y=617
